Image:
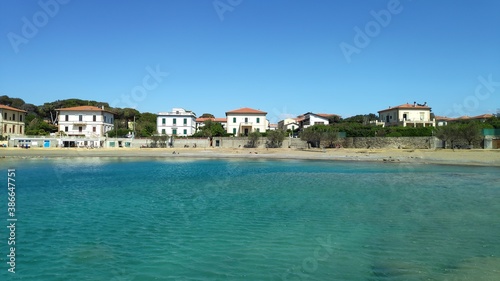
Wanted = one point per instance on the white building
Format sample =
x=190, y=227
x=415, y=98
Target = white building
x=309, y=119
x=85, y=121
x=178, y=122
x=407, y=115
x=11, y=121
x=288, y=124
x=246, y=120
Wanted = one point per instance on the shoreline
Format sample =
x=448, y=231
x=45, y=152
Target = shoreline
x=479, y=157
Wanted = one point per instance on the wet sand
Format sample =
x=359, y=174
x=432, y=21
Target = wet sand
x=438, y=156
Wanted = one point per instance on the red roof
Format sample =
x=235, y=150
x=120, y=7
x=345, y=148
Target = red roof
x=407, y=106
x=483, y=116
x=220, y=120
x=326, y=115
x=84, y=108
x=11, y=108
x=246, y=110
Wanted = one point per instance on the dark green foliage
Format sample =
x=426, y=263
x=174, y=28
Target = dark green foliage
x=253, y=138
x=275, y=138
x=211, y=129
x=318, y=135
x=207, y=115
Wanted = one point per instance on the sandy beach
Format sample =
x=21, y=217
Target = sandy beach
x=458, y=157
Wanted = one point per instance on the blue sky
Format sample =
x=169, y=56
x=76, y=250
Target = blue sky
x=283, y=57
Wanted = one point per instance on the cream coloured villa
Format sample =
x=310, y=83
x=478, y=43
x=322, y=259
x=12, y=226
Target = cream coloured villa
x=11, y=121
x=246, y=120
x=407, y=115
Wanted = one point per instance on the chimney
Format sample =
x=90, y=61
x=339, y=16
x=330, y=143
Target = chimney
x=102, y=106
x=414, y=103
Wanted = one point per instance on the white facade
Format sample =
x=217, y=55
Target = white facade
x=407, y=115
x=178, y=122
x=288, y=124
x=85, y=121
x=311, y=119
x=243, y=121
x=12, y=121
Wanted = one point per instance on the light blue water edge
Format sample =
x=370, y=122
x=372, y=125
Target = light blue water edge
x=200, y=219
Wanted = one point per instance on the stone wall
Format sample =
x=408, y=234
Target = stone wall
x=387, y=142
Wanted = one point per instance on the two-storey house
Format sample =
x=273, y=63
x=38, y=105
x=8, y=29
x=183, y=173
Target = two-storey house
x=242, y=121
x=407, y=115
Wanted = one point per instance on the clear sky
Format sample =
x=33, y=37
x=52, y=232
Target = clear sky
x=284, y=57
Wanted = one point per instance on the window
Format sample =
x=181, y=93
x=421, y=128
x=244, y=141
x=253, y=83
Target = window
x=94, y=118
x=185, y=132
x=94, y=128
x=5, y=116
x=66, y=118
x=21, y=130
x=258, y=130
x=175, y=121
x=293, y=127
x=422, y=116
x=65, y=128
x=162, y=131
x=13, y=117
x=258, y=120
x=80, y=129
x=234, y=131
x=21, y=118
x=14, y=129
x=163, y=121
x=185, y=121
x=234, y=119
x=174, y=131
x=246, y=119
x=80, y=117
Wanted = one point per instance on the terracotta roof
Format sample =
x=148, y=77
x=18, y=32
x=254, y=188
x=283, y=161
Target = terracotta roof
x=82, y=108
x=406, y=106
x=246, y=110
x=213, y=119
x=442, y=118
x=483, y=116
x=11, y=108
x=326, y=114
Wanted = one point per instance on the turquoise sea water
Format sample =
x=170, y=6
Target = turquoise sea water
x=123, y=219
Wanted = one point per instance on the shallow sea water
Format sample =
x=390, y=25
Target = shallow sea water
x=122, y=219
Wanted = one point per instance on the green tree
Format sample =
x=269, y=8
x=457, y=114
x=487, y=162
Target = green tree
x=211, y=129
x=449, y=133
x=470, y=131
x=253, y=138
x=275, y=138
x=207, y=115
